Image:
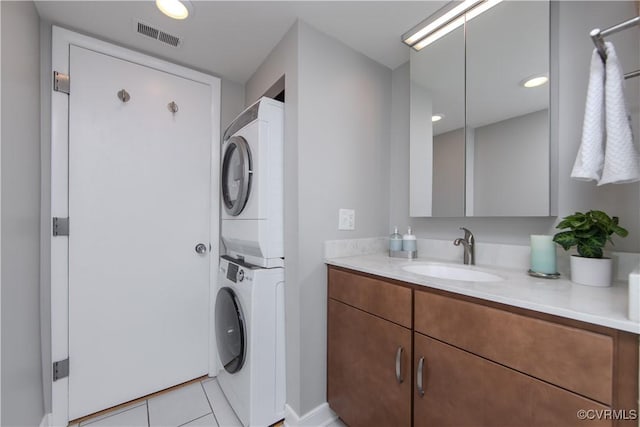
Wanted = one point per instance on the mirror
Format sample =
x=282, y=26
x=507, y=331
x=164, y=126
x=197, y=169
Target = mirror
x=437, y=149
x=489, y=154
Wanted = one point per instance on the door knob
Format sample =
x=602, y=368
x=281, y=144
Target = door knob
x=201, y=249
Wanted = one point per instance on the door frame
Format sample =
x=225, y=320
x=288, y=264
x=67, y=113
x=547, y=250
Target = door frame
x=62, y=39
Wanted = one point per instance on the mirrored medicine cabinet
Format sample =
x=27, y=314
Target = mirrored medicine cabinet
x=479, y=139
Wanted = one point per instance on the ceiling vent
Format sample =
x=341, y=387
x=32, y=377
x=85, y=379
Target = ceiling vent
x=147, y=30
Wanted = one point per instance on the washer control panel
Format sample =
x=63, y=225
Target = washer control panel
x=235, y=273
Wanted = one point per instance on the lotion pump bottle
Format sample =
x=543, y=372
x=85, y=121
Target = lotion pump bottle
x=409, y=242
x=395, y=241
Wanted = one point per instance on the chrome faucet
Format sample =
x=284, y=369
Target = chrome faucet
x=468, y=242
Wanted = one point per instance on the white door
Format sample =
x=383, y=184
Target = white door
x=139, y=203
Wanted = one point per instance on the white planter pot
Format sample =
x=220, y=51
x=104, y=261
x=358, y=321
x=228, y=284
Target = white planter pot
x=591, y=271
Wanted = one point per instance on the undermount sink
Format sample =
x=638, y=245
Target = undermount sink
x=452, y=273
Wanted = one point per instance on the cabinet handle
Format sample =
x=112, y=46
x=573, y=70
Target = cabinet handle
x=399, y=365
x=419, y=377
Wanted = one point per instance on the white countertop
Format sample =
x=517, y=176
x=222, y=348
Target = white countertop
x=561, y=297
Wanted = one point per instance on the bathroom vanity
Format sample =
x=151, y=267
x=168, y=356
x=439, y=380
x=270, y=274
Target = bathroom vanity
x=404, y=351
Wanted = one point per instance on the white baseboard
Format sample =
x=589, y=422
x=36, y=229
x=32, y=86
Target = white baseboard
x=46, y=421
x=320, y=416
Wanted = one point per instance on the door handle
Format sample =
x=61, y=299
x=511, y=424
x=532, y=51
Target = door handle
x=201, y=249
x=419, y=377
x=399, y=365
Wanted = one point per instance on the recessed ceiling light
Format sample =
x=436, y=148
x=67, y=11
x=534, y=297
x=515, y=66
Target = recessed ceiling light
x=176, y=9
x=437, y=117
x=534, y=81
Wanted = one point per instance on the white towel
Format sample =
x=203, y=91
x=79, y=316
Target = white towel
x=590, y=158
x=621, y=161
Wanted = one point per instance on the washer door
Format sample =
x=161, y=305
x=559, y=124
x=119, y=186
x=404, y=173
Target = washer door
x=230, y=330
x=236, y=175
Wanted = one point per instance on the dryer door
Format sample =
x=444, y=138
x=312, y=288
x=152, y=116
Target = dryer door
x=231, y=333
x=237, y=171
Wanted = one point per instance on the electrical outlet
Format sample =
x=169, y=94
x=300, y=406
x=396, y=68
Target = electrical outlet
x=346, y=219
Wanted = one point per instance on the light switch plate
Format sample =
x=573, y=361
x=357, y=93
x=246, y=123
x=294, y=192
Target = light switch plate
x=346, y=219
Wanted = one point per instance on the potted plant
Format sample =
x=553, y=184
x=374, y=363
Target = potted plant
x=589, y=233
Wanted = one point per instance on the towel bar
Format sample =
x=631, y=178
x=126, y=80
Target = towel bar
x=597, y=36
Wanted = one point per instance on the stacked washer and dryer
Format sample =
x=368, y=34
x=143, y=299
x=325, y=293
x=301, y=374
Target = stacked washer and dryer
x=249, y=308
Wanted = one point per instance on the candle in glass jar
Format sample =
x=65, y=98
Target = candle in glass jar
x=543, y=254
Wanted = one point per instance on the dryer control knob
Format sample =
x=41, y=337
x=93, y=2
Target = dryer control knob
x=240, y=276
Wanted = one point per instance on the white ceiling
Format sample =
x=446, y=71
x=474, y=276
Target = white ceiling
x=231, y=38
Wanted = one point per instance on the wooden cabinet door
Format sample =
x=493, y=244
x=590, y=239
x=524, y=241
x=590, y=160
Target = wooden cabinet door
x=572, y=358
x=462, y=389
x=362, y=387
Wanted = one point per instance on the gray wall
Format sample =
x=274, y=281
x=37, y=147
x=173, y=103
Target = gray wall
x=511, y=167
x=22, y=401
x=448, y=174
x=231, y=103
x=343, y=140
x=335, y=157
x=576, y=19
x=45, y=209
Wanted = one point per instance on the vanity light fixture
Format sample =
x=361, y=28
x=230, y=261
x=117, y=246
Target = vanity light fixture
x=444, y=21
x=534, y=81
x=176, y=9
x=437, y=117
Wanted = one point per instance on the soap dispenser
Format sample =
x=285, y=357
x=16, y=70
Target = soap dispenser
x=395, y=241
x=409, y=242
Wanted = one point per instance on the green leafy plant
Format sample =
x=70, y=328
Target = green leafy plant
x=589, y=231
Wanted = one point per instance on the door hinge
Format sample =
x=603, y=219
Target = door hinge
x=60, y=226
x=61, y=82
x=60, y=369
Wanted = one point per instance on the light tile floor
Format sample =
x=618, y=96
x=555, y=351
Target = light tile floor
x=200, y=404
x=197, y=404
